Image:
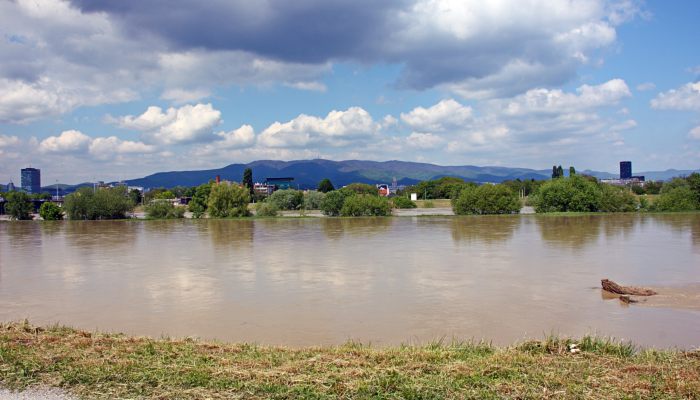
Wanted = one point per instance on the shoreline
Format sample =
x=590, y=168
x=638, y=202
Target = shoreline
x=106, y=365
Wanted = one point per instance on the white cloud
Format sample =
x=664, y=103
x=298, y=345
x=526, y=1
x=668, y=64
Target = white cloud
x=687, y=97
x=182, y=96
x=240, y=138
x=445, y=115
x=9, y=141
x=186, y=124
x=312, y=86
x=646, y=86
x=106, y=147
x=694, y=133
x=71, y=141
x=424, y=140
x=337, y=129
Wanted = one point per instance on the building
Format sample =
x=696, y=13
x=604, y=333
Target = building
x=625, y=169
x=279, y=183
x=31, y=180
x=262, y=189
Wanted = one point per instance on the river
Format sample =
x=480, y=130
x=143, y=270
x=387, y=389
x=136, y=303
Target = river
x=385, y=281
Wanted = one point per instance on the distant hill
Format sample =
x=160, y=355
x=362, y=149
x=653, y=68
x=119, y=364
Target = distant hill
x=307, y=173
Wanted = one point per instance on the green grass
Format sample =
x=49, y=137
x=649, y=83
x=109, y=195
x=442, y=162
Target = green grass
x=99, y=365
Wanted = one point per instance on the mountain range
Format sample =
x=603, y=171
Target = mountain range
x=307, y=173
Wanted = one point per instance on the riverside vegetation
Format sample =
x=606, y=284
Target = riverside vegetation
x=102, y=365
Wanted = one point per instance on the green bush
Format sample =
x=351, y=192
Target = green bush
x=362, y=188
x=325, y=186
x=680, y=198
x=227, y=199
x=617, y=199
x=333, y=202
x=266, y=209
x=313, y=200
x=164, y=209
x=365, y=205
x=86, y=203
x=18, y=206
x=50, y=212
x=288, y=199
x=403, y=202
x=487, y=199
x=200, y=198
x=575, y=193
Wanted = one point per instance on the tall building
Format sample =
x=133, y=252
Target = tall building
x=31, y=180
x=625, y=169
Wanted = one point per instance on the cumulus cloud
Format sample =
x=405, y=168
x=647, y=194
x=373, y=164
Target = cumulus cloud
x=694, y=133
x=337, y=129
x=76, y=143
x=444, y=115
x=240, y=138
x=9, y=141
x=181, y=96
x=687, y=97
x=424, y=140
x=71, y=141
x=187, y=124
x=312, y=86
x=646, y=86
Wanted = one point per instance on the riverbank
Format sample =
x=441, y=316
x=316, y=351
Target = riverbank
x=100, y=365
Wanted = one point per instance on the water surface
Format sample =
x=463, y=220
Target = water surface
x=325, y=281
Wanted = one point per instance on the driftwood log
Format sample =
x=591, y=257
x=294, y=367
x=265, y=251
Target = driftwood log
x=613, y=287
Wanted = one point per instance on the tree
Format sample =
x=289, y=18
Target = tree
x=312, y=200
x=50, y=212
x=555, y=173
x=165, y=195
x=163, y=209
x=135, y=196
x=403, y=202
x=287, y=199
x=248, y=180
x=576, y=193
x=362, y=188
x=333, y=202
x=487, y=199
x=325, y=186
x=18, y=206
x=109, y=203
x=227, y=199
x=680, y=198
x=266, y=209
x=572, y=171
x=617, y=199
x=200, y=199
x=365, y=205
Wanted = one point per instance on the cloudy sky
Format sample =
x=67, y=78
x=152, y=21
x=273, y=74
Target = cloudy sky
x=106, y=90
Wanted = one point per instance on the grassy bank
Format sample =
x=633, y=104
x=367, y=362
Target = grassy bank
x=95, y=365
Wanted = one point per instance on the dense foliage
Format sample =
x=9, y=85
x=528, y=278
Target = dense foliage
x=361, y=205
x=228, y=199
x=108, y=203
x=576, y=193
x=333, y=202
x=362, y=188
x=325, y=186
x=18, y=206
x=616, y=199
x=403, y=202
x=487, y=199
x=288, y=199
x=447, y=187
x=164, y=209
x=50, y=212
x=266, y=209
x=200, y=199
x=680, y=198
x=312, y=200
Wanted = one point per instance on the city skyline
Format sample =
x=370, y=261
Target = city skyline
x=93, y=91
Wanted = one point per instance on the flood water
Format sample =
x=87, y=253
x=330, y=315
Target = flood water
x=321, y=281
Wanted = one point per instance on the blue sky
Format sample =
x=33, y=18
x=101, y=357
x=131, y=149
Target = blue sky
x=102, y=90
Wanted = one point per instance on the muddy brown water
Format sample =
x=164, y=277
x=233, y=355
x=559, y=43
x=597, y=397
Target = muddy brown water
x=322, y=281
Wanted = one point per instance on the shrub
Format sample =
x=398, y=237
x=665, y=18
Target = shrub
x=487, y=199
x=200, y=198
x=288, y=199
x=18, y=206
x=575, y=193
x=361, y=205
x=403, y=202
x=266, y=209
x=164, y=209
x=86, y=203
x=50, y=212
x=680, y=198
x=312, y=200
x=362, y=188
x=228, y=200
x=617, y=199
x=333, y=202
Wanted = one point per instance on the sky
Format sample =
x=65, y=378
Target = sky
x=109, y=90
